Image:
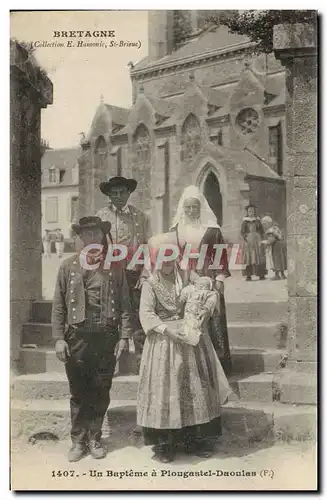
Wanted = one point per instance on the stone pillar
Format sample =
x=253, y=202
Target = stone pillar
x=296, y=47
x=30, y=90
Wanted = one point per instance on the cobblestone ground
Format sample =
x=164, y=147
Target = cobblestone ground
x=237, y=290
x=281, y=466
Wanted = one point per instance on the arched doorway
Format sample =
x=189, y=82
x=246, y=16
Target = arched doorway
x=211, y=190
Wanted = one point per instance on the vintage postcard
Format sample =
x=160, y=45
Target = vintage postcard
x=163, y=250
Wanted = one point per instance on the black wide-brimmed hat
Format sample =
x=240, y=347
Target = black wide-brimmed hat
x=91, y=222
x=105, y=186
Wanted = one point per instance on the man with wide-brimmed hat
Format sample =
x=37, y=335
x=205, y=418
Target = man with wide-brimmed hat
x=130, y=227
x=92, y=299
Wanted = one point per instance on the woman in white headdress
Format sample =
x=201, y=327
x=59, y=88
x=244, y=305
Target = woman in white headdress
x=195, y=224
x=182, y=384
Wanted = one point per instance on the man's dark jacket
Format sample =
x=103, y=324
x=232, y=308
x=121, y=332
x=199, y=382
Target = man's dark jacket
x=68, y=306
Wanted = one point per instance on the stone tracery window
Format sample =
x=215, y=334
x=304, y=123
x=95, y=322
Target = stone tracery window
x=276, y=148
x=101, y=152
x=141, y=168
x=191, y=137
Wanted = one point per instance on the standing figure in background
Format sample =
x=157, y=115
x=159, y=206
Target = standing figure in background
x=130, y=227
x=276, y=250
x=266, y=222
x=253, y=249
x=59, y=240
x=47, y=244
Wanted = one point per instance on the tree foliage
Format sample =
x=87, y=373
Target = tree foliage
x=258, y=24
x=31, y=62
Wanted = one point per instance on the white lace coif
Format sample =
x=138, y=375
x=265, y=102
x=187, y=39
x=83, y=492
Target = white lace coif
x=207, y=217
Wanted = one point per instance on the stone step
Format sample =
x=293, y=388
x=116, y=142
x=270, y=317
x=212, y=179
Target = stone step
x=241, y=334
x=257, y=311
x=257, y=334
x=297, y=387
x=245, y=360
x=54, y=385
x=252, y=421
x=253, y=388
x=43, y=359
x=247, y=311
x=41, y=311
x=251, y=360
x=265, y=387
x=39, y=334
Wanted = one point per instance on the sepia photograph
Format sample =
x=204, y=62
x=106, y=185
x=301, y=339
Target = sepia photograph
x=163, y=250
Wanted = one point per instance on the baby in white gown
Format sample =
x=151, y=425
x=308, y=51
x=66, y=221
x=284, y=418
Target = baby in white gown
x=200, y=301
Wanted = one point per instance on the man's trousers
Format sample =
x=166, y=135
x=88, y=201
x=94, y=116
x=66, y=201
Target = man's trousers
x=132, y=278
x=90, y=369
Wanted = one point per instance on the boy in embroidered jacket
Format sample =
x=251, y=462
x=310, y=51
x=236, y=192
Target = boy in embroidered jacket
x=94, y=304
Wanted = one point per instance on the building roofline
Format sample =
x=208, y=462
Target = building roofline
x=279, y=178
x=62, y=149
x=191, y=60
x=61, y=186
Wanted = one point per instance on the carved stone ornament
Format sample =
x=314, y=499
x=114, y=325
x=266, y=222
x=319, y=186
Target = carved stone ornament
x=247, y=121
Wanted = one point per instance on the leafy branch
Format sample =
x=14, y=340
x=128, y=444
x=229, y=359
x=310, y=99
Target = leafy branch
x=258, y=25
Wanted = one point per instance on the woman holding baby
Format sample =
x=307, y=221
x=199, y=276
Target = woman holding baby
x=182, y=382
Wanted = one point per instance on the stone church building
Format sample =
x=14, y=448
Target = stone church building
x=206, y=111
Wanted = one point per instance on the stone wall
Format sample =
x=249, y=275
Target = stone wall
x=296, y=47
x=29, y=92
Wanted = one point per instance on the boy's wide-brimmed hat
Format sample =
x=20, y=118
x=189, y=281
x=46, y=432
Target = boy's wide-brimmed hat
x=105, y=186
x=91, y=222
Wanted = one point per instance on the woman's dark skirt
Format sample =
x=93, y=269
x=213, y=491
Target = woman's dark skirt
x=219, y=337
x=187, y=435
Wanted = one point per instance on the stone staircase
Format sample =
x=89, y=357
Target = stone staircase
x=266, y=391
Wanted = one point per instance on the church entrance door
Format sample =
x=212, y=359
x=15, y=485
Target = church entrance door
x=211, y=190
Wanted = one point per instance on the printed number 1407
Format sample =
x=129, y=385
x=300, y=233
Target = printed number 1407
x=63, y=473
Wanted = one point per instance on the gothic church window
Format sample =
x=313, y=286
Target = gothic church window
x=100, y=144
x=101, y=151
x=141, y=145
x=141, y=168
x=119, y=162
x=275, y=148
x=191, y=138
x=220, y=138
